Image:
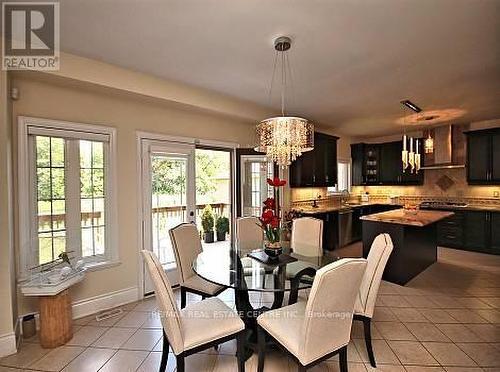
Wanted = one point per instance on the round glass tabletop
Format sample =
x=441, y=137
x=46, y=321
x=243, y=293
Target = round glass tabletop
x=231, y=268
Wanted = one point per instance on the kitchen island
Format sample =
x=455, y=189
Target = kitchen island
x=413, y=236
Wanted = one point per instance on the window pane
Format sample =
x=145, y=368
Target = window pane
x=58, y=191
x=42, y=151
x=98, y=215
x=58, y=215
x=86, y=183
x=44, y=216
x=86, y=212
x=87, y=246
x=43, y=183
x=57, y=151
x=97, y=155
x=99, y=239
x=85, y=154
x=59, y=243
x=92, y=195
x=44, y=248
x=98, y=182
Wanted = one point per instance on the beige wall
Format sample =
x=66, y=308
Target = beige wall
x=93, y=92
x=7, y=303
x=127, y=113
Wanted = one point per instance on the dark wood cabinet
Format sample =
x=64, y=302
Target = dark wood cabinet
x=380, y=164
x=471, y=230
x=483, y=157
x=318, y=167
x=495, y=232
x=450, y=231
x=357, y=159
x=476, y=230
x=390, y=163
x=495, y=158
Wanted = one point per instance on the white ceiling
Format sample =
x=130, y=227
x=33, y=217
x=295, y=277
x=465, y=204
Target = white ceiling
x=352, y=60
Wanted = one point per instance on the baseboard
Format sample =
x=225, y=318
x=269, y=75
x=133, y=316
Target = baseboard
x=7, y=344
x=105, y=301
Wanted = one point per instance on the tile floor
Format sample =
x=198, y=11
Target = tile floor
x=446, y=319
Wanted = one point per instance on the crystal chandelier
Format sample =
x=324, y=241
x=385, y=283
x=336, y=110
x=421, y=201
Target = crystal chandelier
x=284, y=138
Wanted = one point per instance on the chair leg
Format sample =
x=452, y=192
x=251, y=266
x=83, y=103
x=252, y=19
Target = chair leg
x=183, y=297
x=164, y=353
x=240, y=351
x=180, y=363
x=368, y=341
x=343, y=359
x=261, y=337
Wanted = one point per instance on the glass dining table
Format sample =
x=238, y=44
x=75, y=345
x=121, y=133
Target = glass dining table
x=234, y=268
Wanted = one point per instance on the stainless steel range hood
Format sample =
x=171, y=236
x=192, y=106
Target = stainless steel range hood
x=449, y=148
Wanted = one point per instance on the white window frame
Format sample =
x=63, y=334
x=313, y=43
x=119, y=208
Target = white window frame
x=335, y=190
x=27, y=187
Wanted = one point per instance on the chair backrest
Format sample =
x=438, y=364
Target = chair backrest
x=169, y=312
x=377, y=259
x=307, y=236
x=187, y=245
x=248, y=234
x=328, y=316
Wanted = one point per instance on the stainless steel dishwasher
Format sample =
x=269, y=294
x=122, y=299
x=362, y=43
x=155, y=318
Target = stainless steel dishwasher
x=345, y=227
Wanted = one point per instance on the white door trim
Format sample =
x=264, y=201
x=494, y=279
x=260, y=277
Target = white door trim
x=159, y=138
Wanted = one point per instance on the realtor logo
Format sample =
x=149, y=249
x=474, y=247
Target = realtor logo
x=30, y=36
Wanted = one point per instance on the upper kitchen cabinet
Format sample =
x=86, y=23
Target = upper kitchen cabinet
x=318, y=167
x=483, y=157
x=380, y=164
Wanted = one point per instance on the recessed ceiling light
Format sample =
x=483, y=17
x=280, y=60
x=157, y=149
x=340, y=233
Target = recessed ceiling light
x=411, y=105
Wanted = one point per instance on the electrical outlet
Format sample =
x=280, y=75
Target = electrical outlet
x=496, y=194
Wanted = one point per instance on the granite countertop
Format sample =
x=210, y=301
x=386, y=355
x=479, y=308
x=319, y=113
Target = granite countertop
x=311, y=210
x=400, y=217
x=473, y=207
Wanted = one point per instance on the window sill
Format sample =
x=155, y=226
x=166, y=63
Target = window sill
x=101, y=265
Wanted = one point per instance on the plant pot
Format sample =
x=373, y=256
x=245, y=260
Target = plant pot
x=209, y=236
x=221, y=236
x=273, y=250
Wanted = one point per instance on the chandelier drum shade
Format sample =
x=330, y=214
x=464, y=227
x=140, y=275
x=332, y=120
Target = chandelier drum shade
x=284, y=138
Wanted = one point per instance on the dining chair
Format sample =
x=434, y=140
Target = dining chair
x=307, y=241
x=378, y=256
x=248, y=234
x=307, y=236
x=187, y=245
x=198, y=326
x=319, y=329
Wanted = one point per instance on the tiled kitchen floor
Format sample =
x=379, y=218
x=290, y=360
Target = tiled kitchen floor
x=446, y=319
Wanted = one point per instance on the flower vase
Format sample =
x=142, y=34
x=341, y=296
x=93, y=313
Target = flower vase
x=273, y=249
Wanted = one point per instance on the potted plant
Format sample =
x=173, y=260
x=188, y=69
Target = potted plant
x=207, y=223
x=221, y=227
x=270, y=221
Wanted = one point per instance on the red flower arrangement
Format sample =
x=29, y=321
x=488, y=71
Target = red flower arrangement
x=270, y=218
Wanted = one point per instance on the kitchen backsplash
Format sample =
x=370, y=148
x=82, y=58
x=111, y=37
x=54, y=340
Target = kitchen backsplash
x=442, y=184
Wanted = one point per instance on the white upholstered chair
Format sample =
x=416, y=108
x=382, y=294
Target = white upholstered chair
x=367, y=295
x=307, y=241
x=248, y=234
x=315, y=331
x=197, y=327
x=307, y=236
x=187, y=245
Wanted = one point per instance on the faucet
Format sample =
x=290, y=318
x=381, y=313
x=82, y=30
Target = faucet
x=345, y=196
x=315, y=201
